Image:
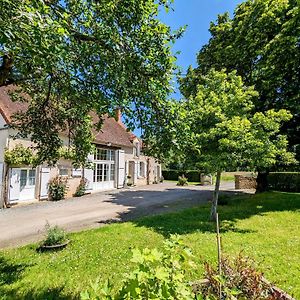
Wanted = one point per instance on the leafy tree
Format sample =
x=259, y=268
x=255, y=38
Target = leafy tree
x=72, y=57
x=260, y=42
x=223, y=132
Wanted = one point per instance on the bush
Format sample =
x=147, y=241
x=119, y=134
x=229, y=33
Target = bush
x=159, y=275
x=223, y=199
x=239, y=280
x=191, y=175
x=182, y=180
x=54, y=236
x=284, y=181
x=80, y=190
x=57, y=188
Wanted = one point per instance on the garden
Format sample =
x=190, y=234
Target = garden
x=264, y=227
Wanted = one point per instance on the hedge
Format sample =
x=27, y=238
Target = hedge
x=191, y=175
x=284, y=181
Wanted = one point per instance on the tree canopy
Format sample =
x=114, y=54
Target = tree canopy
x=72, y=57
x=222, y=131
x=260, y=42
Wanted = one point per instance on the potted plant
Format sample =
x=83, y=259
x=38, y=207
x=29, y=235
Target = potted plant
x=56, y=238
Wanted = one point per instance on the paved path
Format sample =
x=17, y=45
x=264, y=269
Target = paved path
x=25, y=224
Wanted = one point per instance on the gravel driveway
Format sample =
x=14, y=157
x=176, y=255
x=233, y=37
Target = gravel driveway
x=24, y=224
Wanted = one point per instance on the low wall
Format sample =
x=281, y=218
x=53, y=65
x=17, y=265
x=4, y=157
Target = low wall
x=244, y=182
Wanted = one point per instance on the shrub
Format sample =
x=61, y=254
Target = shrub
x=284, y=181
x=54, y=235
x=80, y=190
x=182, y=180
x=239, y=280
x=159, y=275
x=191, y=175
x=57, y=188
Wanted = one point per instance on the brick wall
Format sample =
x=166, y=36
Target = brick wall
x=244, y=182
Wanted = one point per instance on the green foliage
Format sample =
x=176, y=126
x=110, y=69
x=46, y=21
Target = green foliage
x=80, y=190
x=57, y=188
x=224, y=132
x=284, y=181
x=239, y=279
x=159, y=275
x=191, y=175
x=20, y=156
x=260, y=42
x=182, y=180
x=73, y=57
x=54, y=235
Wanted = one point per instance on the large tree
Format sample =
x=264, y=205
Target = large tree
x=72, y=57
x=261, y=42
x=222, y=131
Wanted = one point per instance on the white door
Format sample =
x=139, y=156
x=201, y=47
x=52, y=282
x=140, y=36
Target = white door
x=14, y=187
x=104, y=176
x=22, y=184
x=89, y=173
x=120, y=168
x=45, y=177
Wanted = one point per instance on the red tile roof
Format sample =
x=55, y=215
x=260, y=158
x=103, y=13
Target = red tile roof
x=112, y=132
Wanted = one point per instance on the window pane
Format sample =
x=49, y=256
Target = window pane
x=112, y=172
x=95, y=173
x=23, y=179
x=31, y=178
x=106, y=173
x=63, y=172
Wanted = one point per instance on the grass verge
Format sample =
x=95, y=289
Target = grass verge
x=265, y=227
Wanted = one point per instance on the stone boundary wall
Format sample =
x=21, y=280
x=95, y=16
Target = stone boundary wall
x=244, y=182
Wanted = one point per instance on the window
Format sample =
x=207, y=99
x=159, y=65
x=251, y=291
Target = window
x=112, y=172
x=104, y=154
x=63, y=171
x=31, y=177
x=104, y=172
x=136, y=150
x=141, y=169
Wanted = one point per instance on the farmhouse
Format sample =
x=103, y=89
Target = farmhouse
x=118, y=160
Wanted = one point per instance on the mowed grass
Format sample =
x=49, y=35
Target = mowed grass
x=265, y=227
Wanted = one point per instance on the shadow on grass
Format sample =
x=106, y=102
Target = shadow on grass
x=10, y=272
x=238, y=208
x=47, y=294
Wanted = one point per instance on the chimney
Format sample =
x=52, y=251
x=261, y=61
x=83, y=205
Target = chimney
x=118, y=115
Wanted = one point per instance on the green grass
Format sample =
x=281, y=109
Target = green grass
x=266, y=227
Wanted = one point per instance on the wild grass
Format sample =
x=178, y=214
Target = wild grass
x=265, y=227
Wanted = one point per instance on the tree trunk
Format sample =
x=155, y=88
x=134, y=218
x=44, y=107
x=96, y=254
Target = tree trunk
x=5, y=187
x=262, y=181
x=214, y=205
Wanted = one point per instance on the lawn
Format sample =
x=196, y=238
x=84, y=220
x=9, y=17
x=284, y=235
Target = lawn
x=266, y=227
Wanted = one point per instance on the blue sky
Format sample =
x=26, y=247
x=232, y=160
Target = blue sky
x=197, y=15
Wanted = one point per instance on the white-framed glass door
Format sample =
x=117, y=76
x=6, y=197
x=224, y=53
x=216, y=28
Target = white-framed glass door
x=104, y=169
x=22, y=184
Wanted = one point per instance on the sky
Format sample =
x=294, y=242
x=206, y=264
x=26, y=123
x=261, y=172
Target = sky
x=197, y=15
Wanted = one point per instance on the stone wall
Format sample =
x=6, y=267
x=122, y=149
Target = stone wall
x=244, y=182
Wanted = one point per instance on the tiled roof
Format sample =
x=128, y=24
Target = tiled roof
x=112, y=131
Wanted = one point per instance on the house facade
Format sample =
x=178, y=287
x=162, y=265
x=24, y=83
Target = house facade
x=118, y=161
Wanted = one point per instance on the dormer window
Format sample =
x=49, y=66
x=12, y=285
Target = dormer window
x=136, y=149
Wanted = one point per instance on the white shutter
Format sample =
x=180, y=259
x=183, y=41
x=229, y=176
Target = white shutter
x=45, y=177
x=14, y=184
x=1, y=179
x=120, y=168
x=89, y=173
x=136, y=171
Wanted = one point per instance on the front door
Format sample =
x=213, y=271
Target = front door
x=104, y=169
x=22, y=184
